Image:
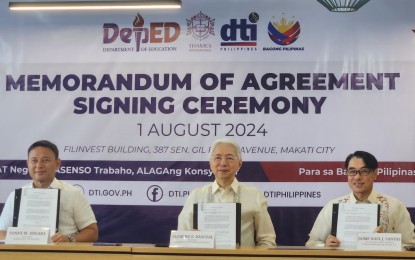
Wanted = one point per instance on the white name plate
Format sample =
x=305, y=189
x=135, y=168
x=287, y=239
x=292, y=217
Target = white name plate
x=192, y=239
x=27, y=236
x=379, y=241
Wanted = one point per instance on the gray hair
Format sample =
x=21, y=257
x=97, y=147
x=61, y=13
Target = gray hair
x=226, y=141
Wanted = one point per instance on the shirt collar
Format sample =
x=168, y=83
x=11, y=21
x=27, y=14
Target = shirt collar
x=54, y=185
x=371, y=199
x=233, y=186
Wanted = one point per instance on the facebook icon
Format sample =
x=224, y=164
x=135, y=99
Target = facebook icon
x=154, y=193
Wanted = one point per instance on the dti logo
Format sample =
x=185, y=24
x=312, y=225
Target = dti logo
x=240, y=33
x=285, y=32
x=154, y=193
x=160, y=32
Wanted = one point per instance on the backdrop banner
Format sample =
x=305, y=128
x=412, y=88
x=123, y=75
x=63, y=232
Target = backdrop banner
x=135, y=99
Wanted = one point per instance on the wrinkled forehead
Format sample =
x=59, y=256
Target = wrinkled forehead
x=224, y=149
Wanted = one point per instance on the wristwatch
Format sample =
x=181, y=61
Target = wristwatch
x=72, y=238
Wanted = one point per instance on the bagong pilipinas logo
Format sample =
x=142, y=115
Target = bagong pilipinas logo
x=284, y=32
x=200, y=26
x=158, y=32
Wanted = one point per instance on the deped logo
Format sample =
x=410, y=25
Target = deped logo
x=157, y=32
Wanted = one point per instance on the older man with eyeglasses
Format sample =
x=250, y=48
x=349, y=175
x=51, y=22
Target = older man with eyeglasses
x=361, y=172
x=256, y=225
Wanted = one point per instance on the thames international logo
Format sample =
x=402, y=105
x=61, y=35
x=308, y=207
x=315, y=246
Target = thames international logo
x=158, y=36
x=240, y=35
x=200, y=26
x=284, y=32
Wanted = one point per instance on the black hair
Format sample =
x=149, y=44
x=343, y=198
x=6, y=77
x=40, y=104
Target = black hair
x=44, y=143
x=368, y=158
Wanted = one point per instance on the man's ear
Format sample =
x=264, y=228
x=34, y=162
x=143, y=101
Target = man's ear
x=376, y=172
x=58, y=164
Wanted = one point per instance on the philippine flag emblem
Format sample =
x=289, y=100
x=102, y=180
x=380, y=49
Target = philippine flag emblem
x=284, y=32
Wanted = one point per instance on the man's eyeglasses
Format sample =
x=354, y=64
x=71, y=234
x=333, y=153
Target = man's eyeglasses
x=362, y=172
x=228, y=158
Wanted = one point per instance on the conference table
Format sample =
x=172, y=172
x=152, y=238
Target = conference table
x=87, y=251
